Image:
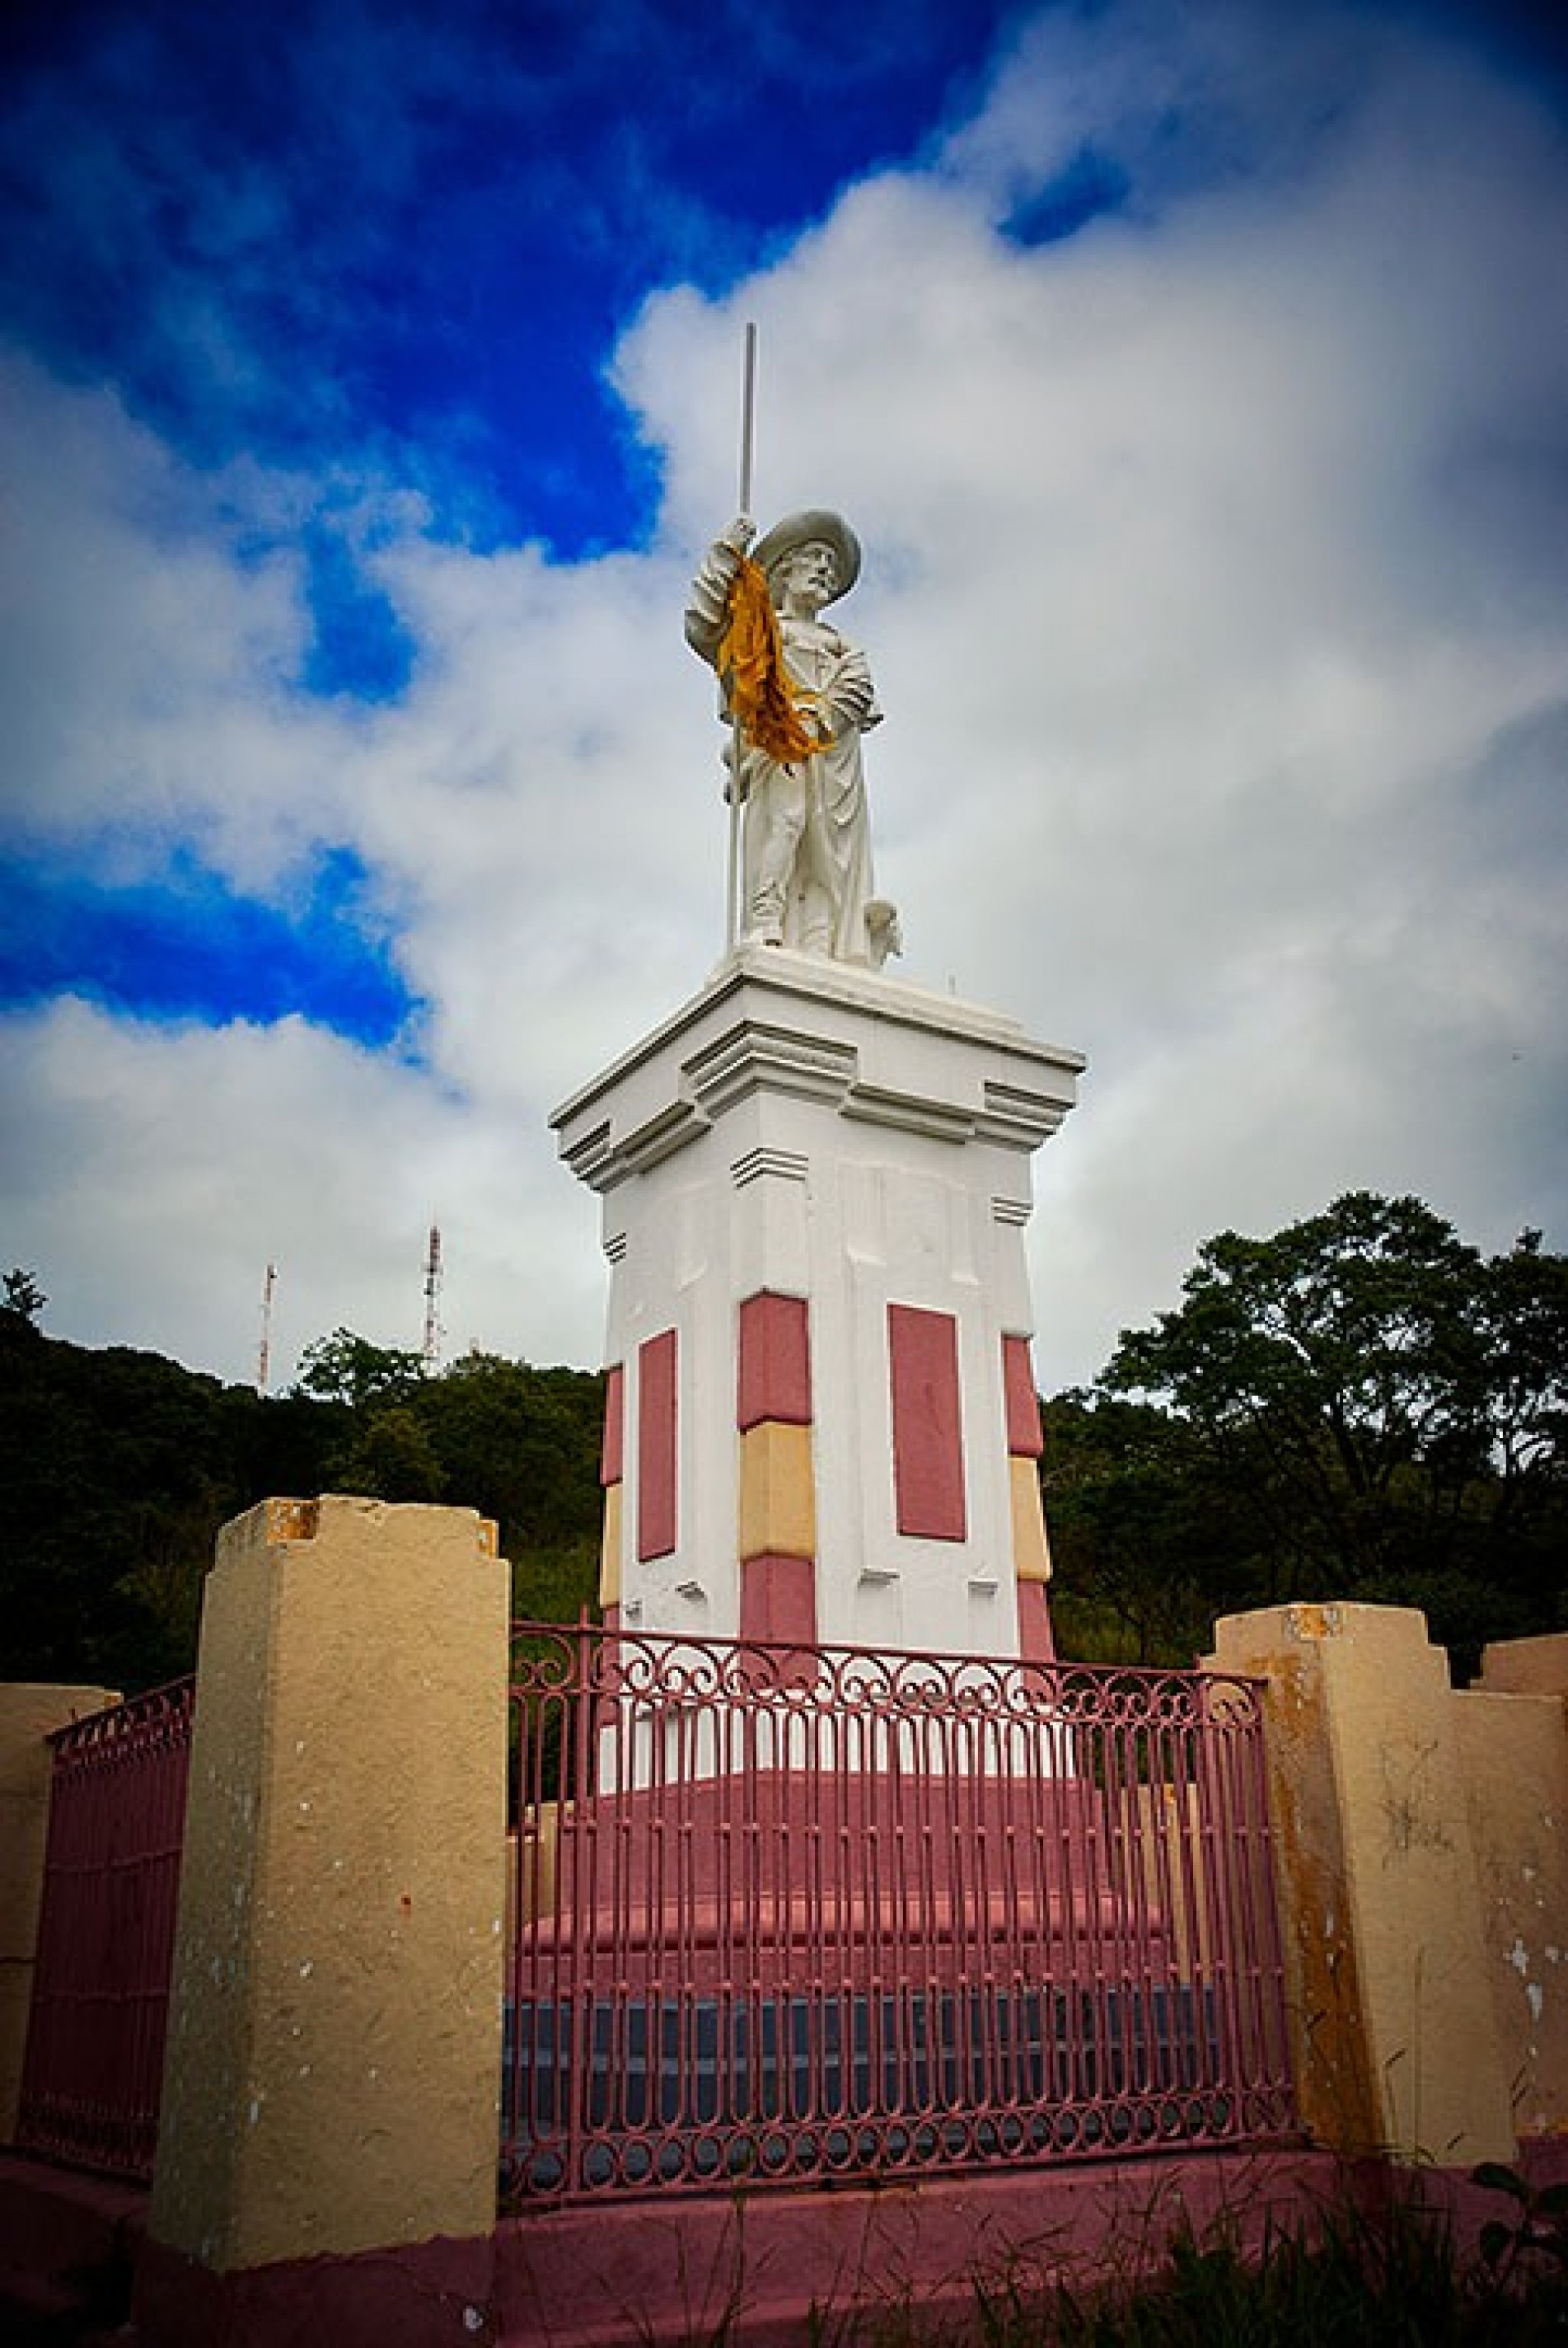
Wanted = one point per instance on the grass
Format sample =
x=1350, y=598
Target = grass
x=1393, y=2278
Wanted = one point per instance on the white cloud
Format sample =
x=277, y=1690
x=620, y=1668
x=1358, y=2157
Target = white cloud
x=147, y=662
x=1215, y=589
x=156, y=1171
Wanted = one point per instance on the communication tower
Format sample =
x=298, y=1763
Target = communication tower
x=431, y=1346
x=264, y=1353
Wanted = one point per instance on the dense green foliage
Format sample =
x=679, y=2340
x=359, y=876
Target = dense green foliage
x=119, y=1467
x=1360, y=1406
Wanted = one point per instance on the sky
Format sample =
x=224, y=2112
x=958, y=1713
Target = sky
x=1196, y=379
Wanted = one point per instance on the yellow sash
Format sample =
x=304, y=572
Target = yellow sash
x=750, y=663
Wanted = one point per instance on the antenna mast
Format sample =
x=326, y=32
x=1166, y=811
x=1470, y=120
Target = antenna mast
x=431, y=1346
x=264, y=1352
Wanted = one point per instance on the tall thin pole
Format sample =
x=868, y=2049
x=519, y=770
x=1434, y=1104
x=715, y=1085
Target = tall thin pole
x=748, y=416
x=733, y=868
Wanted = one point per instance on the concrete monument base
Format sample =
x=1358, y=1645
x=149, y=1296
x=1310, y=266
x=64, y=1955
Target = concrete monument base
x=822, y=1424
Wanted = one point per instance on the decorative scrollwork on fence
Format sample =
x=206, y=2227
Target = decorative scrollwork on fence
x=157, y=1722
x=553, y=1660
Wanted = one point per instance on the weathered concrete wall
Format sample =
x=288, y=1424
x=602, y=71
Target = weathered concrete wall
x=331, y=2076
x=27, y=1715
x=1514, y=1739
x=1527, y=1666
x=1390, y=1969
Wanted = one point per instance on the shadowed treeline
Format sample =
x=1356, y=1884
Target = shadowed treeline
x=121, y=1465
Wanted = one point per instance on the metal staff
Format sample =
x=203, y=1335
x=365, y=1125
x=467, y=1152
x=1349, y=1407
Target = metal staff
x=733, y=869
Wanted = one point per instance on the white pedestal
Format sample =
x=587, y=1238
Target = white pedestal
x=835, y=1144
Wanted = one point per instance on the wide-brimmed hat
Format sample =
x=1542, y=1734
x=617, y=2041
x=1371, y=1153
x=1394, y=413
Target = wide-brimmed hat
x=814, y=528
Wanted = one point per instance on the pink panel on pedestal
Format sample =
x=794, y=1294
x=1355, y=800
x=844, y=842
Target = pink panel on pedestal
x=1025, y=1440
x=778, y=1600
x=658, y=1447
x=611, y=1467
x=927, y=1424
x=773, y=1379
x=1035, y=1642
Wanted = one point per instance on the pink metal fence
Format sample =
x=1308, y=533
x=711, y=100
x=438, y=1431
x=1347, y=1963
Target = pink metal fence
x=785, y=1915
x=93, y=2069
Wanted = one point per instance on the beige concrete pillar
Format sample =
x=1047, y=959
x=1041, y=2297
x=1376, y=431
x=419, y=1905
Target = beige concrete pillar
x=332, y=2078
x=1536, y=1666
x=27, y=1715
x=1396, y=2046
x=1514, y=1734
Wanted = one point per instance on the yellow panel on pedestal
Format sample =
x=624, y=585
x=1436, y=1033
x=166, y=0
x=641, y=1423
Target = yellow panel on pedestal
x=777, y=1510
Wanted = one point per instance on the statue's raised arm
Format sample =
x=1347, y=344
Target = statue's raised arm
x=798, y=696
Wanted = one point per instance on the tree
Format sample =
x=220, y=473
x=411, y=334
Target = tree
x=23, y=1295
x=1140, y=1541
x=517, y=1443
x=1326, y=1361
x=118, y=1468
x=521, y=1445
x=391, y=1457
x=1525, y=1317
x=1384, y=1408
x=348, y=1369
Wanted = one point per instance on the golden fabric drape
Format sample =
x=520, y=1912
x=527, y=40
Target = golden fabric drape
x=750, y=663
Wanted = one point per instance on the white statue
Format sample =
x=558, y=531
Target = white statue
x=799, y=696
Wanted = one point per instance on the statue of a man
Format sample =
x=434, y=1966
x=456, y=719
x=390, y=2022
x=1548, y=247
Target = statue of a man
x=799, y=696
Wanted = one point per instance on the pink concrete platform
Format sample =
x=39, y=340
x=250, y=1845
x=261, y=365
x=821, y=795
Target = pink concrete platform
x=769, y=2265
x=831, y=1863
x=662, y=2273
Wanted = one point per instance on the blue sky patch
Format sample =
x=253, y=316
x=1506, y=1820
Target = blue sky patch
x=420, y=233
x=1091, y=185
x=359, y=645
x=188, y=947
